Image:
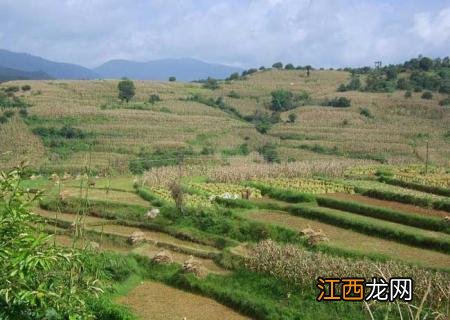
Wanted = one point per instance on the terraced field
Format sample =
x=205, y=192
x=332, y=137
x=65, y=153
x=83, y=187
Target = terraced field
x=344, y=238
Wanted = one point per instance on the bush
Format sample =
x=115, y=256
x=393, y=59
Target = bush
x=292, y=117
x=283, y=195
x=126, y=90
x=26, y=87
x=8, y=114
x=341, y=102
x=23, y=112
x=289, y=66
x=211, y=84
x=445, y=102
x=366, y=113
x=277, y=65
x=269, y=152
x=12, y=89
x=233, y=76
x=154, y=98
x=282, y=100
x=172, y=79
x=233, y=94
x=427, y=95
x=3, y=119
x=408, y=94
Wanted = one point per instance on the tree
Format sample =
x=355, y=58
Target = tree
x=277, y=65
x=426, y=63
x=126, y=90
x=154, y=98
x=427, y=95
x=292, y=117
x=211, y=83
x=269, y=152
x=308, y=70
x=172, y=79
x=289, y=66
x=233, y=76
x=282, y=100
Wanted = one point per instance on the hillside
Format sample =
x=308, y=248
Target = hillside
x=394, y=130
x=8, y=74
x=183, y=69
x=31, y=63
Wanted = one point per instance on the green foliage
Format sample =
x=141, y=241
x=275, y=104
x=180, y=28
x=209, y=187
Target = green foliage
x=282, y=100
x=126, y=90
x=233, y=94
x=366, y=113
x=23, y=113
x=340, y=102
x=292, y=118
x=415, y=186
x=445, y=102
x=376, y=82
x=269, y=152
x=154, y=98
x=234, y=76
x=277, y=65
x=157, y=158
x=172, y=79
x=427, y=95
x=354, y=84
x=27, y=258
x=372, y=227
x=211, y=84
x=26, y=87
x=410, y=219
x=408, y=94
x=3, y=119
x=289, y=66
x=216, y=103
x=284, y=195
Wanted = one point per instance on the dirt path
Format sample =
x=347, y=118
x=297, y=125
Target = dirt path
x=407, y=208
x=155, y=301
x=345, y=238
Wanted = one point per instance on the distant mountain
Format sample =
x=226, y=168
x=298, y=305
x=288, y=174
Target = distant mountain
x=57, y=70
x=184, y=69
x=8, y=74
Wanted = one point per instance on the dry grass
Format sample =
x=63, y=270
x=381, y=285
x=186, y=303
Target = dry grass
x=157, y=301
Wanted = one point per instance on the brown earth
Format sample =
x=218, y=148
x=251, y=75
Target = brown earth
x=155, y=301
x=407, y=208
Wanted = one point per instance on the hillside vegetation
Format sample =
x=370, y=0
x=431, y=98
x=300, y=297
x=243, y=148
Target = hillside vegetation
x=218, y=120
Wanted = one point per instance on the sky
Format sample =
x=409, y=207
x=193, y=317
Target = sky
x=244, y=33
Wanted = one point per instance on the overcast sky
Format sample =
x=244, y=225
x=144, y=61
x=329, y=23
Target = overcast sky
x=244, y=33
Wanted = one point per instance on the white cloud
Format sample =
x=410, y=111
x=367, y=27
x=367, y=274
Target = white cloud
x=246, y=33
x=434, y=28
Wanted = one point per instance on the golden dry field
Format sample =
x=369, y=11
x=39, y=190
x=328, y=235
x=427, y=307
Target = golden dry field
x=397, y=132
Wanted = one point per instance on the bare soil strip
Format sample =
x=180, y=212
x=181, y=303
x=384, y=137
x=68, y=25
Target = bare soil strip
x=345, y=238
x=407, y=208
x=155, y=301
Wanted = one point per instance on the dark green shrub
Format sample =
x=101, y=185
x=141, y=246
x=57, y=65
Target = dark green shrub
x=366, y=113
x=8, y=113
x=154, y=98
x=289, y=66
x=126, y=90
x=341, y=102
x=292, y=117
x=26, y=87
x=269, y=152
x=282, y=100
x=277, y=65
x=211, y=84
x=427, y=95
x=445, y=102
x=172, y=79
x=408, y=94
x=3, y=119
x=23, y=112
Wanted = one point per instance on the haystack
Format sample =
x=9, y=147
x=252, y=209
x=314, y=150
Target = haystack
x=163, y=257
x=194, y=266
x=152, y=214
x=136, y=237
x=314, y=237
